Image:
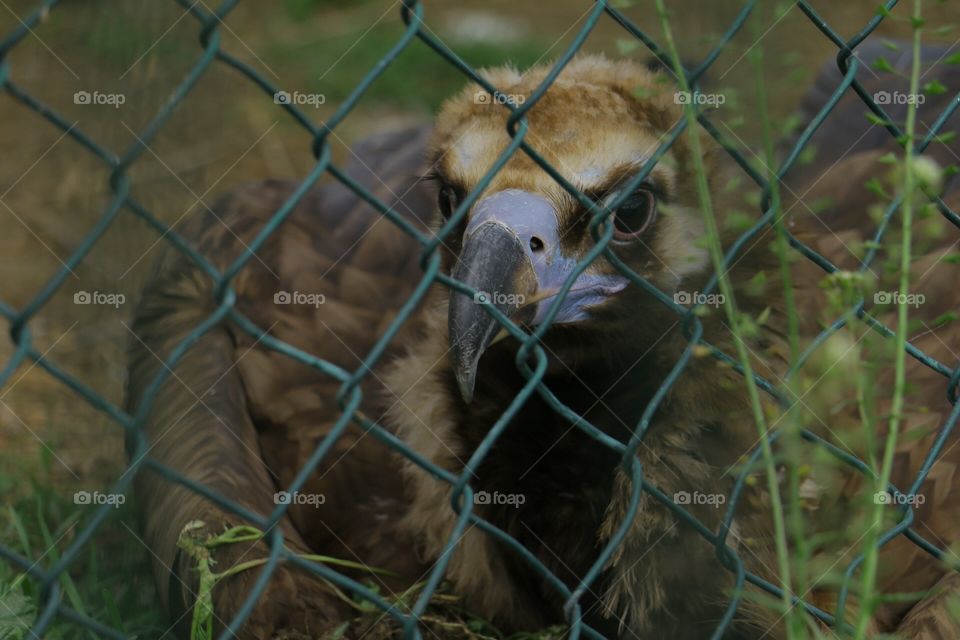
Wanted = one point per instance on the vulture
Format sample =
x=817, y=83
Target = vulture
x=240, y=416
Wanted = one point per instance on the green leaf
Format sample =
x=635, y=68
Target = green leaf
x=17, y=613
x=791, y=124
x=946, y=138
x=944, y=29
x=736, y=122
x=757, y=284
x=952, y=258
x=626, y=46
x=646, y=92
x=738, y=221
x=821, y=204
x=949, y=316
x=808, y=155
x=934, y=88
x=882, y=64
x=888, y=158
x=475, y=625
x=764, y=316
x=874, y=186
x=748, y=328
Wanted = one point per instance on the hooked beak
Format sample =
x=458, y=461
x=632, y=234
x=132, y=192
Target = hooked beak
x=511, y=255
x=494, y=263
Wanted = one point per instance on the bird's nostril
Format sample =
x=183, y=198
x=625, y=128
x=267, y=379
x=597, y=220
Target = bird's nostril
x=536, y=244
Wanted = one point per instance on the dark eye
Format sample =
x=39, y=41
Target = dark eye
x=448, y=199
x=635, y=215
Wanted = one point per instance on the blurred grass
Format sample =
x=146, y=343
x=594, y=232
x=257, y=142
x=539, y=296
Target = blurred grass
x=300, y=10
x=109, y=581
x=433, y=84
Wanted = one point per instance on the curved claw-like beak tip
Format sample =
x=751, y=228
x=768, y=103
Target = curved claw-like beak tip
x=466, y=381
x=465, y=372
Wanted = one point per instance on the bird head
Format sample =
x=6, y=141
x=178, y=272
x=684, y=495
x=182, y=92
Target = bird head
x=599, y=124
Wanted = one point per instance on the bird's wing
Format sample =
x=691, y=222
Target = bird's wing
x=338, y=247
x=241, y=419
x=935, y=617
x=846, y=131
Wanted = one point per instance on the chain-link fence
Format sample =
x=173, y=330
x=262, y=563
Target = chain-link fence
x=531, y=358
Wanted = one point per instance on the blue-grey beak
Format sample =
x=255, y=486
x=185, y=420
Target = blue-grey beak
x=511, y=255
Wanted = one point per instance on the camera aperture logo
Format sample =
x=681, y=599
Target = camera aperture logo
x=511, y=499
x=312, y=499
x=697, y=498
x=97, y=498
x=299, y=297
x=95, y=97
x=694, y=298
x=895, y=297
x=299, y=98
x=99, y=298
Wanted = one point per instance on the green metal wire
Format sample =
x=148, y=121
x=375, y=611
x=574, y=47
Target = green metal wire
x=530, y=359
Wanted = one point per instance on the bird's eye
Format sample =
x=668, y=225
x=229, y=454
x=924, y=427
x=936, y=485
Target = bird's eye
x=635, y=215
x=448, y=199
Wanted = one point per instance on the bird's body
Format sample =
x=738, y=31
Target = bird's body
x=444, y=381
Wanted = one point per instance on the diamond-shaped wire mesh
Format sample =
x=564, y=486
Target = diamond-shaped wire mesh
x=209, y=25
